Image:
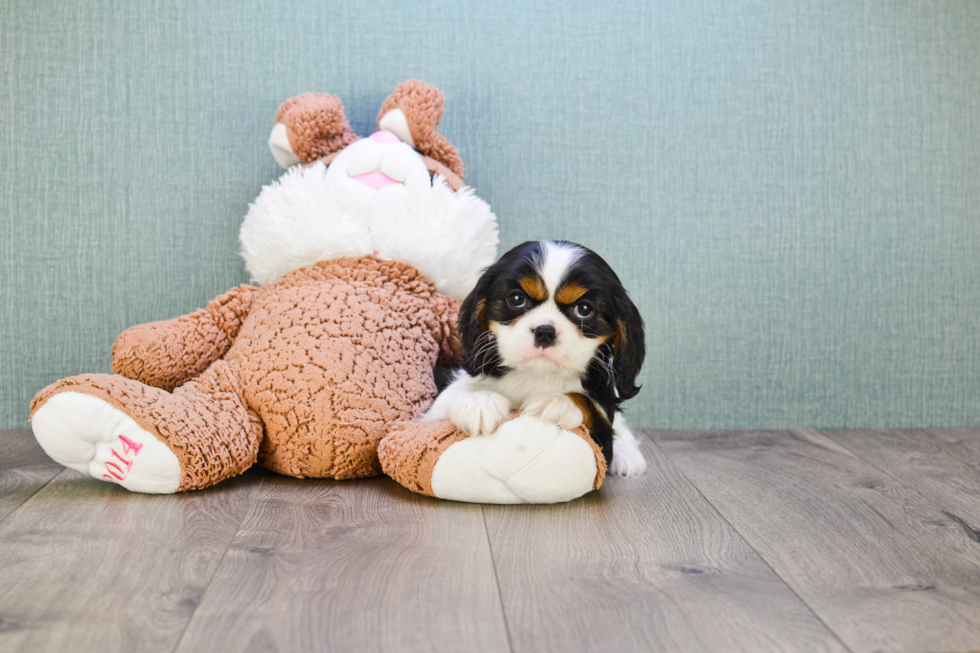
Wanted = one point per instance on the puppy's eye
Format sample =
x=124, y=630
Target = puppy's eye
x=517, y=300
x=582, y=310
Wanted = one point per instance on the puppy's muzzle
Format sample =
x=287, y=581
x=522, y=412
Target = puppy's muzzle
x=544, y=336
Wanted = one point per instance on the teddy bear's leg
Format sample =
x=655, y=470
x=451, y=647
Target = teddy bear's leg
x=89, y=435
x=146, y=439
x=526, y=460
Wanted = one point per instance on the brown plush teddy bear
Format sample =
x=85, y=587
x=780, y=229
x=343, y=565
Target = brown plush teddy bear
x=361, y=255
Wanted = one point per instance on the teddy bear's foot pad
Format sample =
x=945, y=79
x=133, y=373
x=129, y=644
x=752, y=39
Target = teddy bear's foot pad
x=527, y=460
x=88, y=435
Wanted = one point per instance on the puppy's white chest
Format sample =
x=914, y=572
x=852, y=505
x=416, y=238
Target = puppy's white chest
x=518, y=385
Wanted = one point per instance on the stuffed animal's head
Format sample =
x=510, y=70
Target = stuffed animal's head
x=397, y=194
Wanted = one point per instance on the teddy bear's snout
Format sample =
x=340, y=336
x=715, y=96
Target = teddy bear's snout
x=377, y=179
x=384, y=137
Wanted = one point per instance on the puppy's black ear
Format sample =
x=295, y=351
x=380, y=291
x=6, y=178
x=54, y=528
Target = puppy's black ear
x=478, y=341
x=628, y=346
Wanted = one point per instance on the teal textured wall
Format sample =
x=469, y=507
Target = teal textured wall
x=791, y=189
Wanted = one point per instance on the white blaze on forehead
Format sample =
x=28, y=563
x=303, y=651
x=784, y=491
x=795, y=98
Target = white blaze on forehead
x=571, y=353
x=556, y=260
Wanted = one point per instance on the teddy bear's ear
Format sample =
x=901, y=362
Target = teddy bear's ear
x=413, y=113
x=454, y=181
x=308, y=128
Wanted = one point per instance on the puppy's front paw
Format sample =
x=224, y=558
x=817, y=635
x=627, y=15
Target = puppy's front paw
x=627, y=460
x=479, y=412
x=555, y=408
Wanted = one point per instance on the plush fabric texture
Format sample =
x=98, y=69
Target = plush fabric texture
x=410, y=452
x=454, y=181
x=423, y=106
x=317, y=213
x=309, y=373
x=322, y=362
x=168, y=353
x=90, y=435
x=204, y=422
x=789, y=189
x=316, y=125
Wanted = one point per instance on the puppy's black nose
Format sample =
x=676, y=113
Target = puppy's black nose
x=544, y=336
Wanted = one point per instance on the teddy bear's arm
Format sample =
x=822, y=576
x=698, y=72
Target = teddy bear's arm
x=166, y=354
x=451, y=352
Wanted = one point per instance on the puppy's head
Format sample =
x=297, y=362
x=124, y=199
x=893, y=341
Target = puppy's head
x=553, y=305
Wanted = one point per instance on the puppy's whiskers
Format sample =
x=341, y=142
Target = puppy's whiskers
x=550, y=318
x=483, y=343
x=606, y=365
x=486, y=343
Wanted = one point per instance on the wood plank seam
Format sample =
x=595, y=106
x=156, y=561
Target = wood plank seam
x=932, y=433
x=496, y=579
x=32, y=495
x=376, y=568
x=881, y=468
x=25, y=465
x=747, y=541
x=214, y=573
x=830, y=434
x=968, y=529
x=861, y=546
x=644, y=564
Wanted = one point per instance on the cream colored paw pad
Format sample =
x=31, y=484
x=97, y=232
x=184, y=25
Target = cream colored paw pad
x=527, y=460
x=90, y=436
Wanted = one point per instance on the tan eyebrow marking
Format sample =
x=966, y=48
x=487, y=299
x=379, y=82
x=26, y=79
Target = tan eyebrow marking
x=569, y=293
x=534, y=288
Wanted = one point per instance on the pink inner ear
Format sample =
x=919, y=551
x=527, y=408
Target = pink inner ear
x=376, y=180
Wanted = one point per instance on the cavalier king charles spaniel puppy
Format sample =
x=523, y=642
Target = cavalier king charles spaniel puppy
x=549, y=329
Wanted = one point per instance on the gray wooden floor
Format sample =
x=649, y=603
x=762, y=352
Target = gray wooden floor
x=733, y=541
